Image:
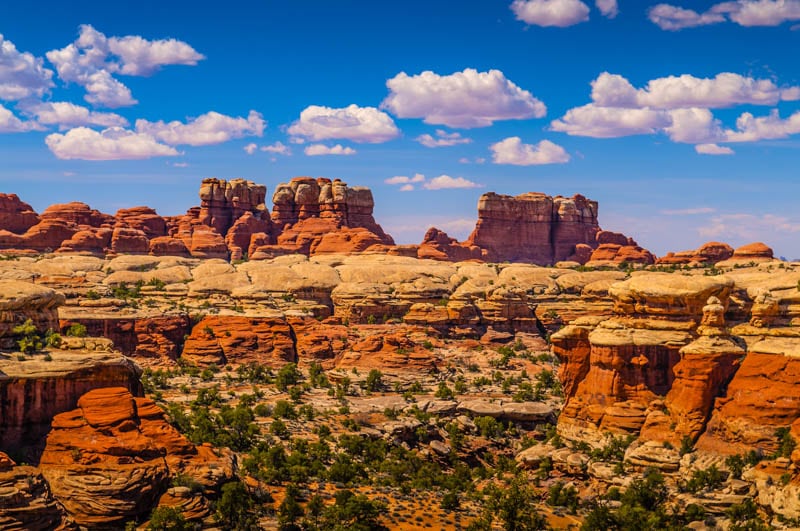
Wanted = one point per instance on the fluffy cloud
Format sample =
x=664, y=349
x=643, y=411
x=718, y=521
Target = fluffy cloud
x=742, y=12
x=673, y=92
x=207, y=129
x=21, y=74
x=66, y=115
x=608, y=8
x=713, y=149
x=402, y=179
x=11, y=124
x=443, y=139
x=358, y=124
x=611, y=122
x=464, y=99
x=445, y=182
x=278, y=148
x=437, y=183
x=113, y=143
x=693, y=126
x=751, y=129
x=140, y=57
x=321, y=149
x=559, y=13
x=765, y=12
x=513, y=151
x=91, y=60
x=679, y=106
x=674, y=18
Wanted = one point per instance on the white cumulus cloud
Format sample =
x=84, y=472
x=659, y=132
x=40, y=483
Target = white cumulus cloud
x=403, y=179
x=750, y=128
x=608, y=8
x=21, y=74
x=113, y=143
x=67, y=115
x=673, y=92
x=512, y=151
x=278, y=148
x=250, y=148
x=207, y=129
x=321, y=149
x=445, y=182
x=442, y=139
x=611, y=122
x=9, y=123
x=441, y=182
x=358, y=124
x=674, y=18
x=464, y=99
x=92, y=59
x=743, y=12
x=713, y=149
x=140, y=57
x=558, y=13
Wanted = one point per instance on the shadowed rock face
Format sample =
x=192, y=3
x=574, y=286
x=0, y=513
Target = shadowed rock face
x=533, y=227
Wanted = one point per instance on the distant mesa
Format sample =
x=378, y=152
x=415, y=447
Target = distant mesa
x=315, y=216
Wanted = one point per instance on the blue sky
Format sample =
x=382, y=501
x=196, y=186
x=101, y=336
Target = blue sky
x=679, y=118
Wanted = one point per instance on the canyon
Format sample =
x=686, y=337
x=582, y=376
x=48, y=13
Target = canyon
x=565, y=352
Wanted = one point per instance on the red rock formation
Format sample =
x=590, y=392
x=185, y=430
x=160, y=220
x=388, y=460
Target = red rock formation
x=109, y=460
x=583, y=253
x=223, y=202
x=545, y=229
x=94, y=241
x=77, y=213
x=762, y=397
x=241, y=233
x=317, y=341
x=706, y=366
x=612, y=252
x=753, y=251
x=437, y=245
x=168, y=246
x=25, y=499
x=156, y=339
x=571, y=345
x=313, y=215
x=387, y=349
x=229, y=339
x=708, y=253
x=45, y=236
x=144, y=219
x=207, y=243
x=607, y=236
x=30, y=399
x=125, y=240
x=15, y=215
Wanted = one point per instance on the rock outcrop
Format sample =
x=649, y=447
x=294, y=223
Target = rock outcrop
x=239, y=340
x=109, y=460
x=15, y=215
x=546, y=229
x=708, y=253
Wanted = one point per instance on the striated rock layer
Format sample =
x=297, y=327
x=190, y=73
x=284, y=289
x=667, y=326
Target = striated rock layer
x=109, y=460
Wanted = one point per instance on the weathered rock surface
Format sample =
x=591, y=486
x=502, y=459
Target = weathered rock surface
x=546, y=229
x=15, y=215
x=33, y=391
x=240, y=340
x=110, y=459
